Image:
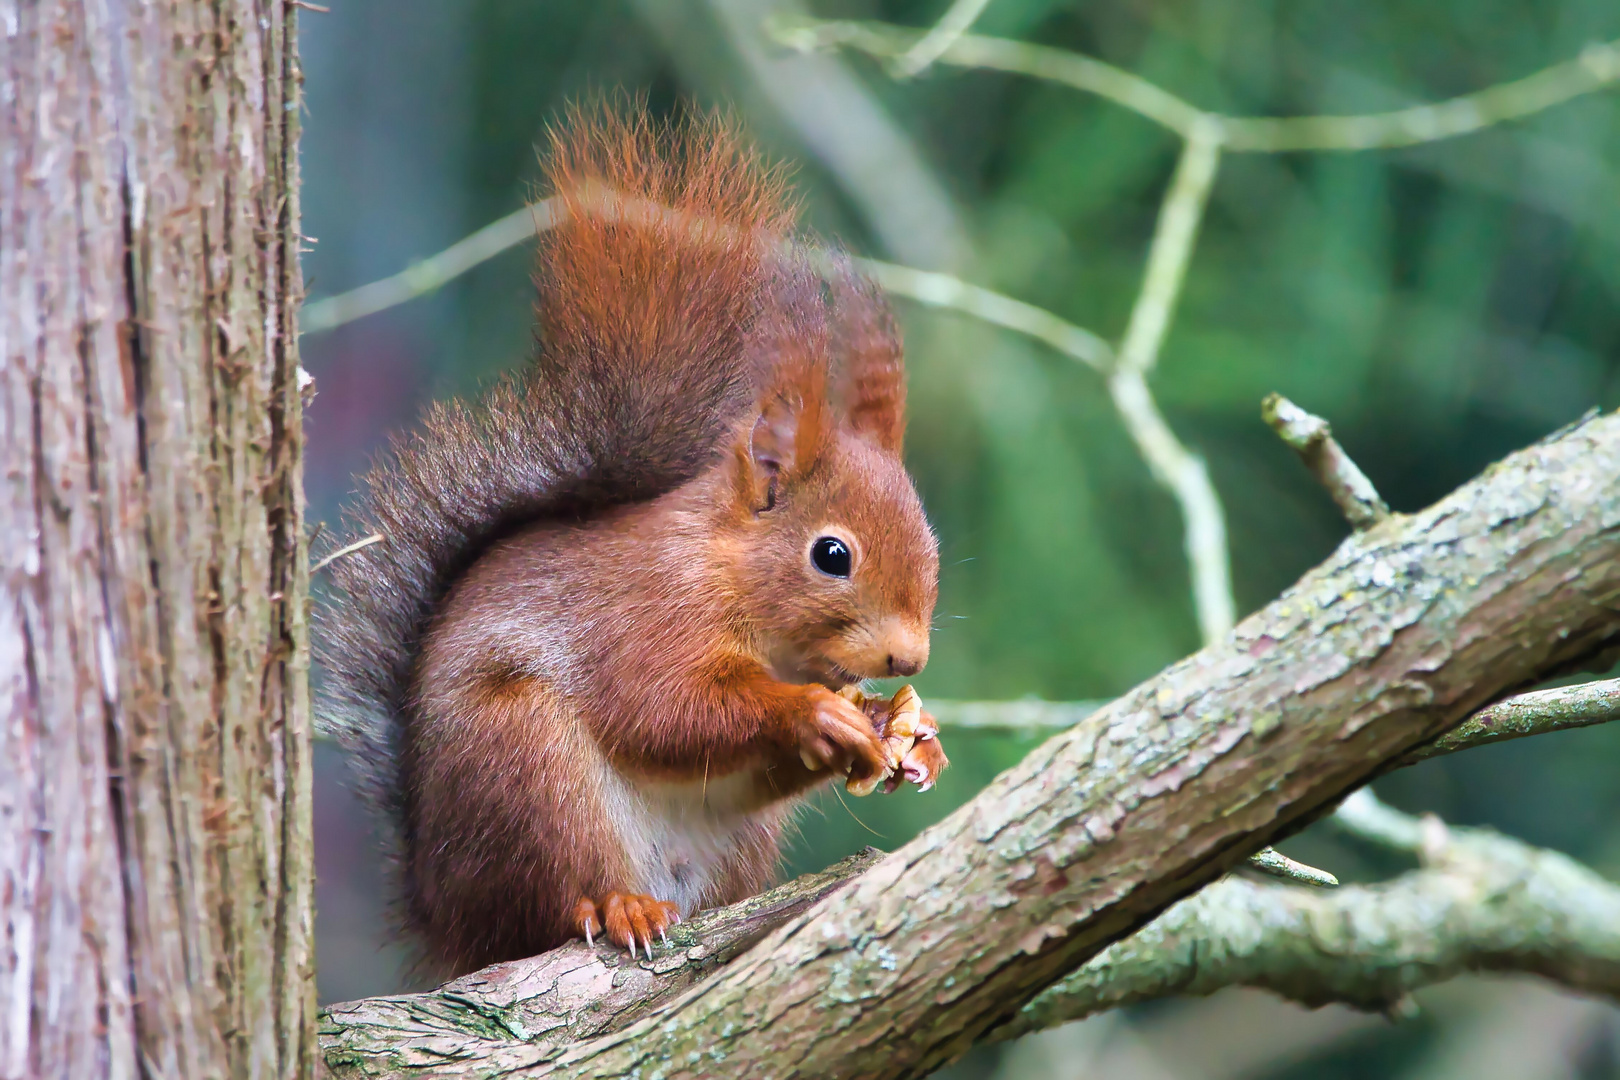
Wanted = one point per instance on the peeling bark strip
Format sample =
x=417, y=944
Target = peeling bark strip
x=155, y=871
x=1410, y=626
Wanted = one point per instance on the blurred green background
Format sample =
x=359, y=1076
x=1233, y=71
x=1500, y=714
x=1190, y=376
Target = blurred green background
x=1441, y=305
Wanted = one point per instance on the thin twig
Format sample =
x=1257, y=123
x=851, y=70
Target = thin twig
x=1273, y=862
x=1177, y=469
x=884, y=42
x=1535, y=713
x=1312, y=437
x=1597, y=66
x=1012, y=717
x=945, y=291
x=1173, y=238
x=956, y=21
x=1184, y=475
x=1538, y=712
x=349, y=549
x=1363, y=814
x=424, y=277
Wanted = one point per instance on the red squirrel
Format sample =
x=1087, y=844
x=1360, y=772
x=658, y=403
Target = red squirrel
x=596, y=660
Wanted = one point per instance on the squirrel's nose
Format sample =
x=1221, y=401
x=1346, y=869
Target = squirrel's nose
x=904, y=665
x=902, y=645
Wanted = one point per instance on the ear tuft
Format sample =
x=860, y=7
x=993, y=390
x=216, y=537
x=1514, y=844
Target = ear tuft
x=790, y=346
x=871, y=374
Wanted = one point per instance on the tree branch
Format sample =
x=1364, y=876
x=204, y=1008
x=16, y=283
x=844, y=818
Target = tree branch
x=512, y=1015
x=956, y=21
x=1275, y=864
x=1483, y=902
x=432, y=273
x=1596, y=67
x=1534, y=713
x=1312, y=438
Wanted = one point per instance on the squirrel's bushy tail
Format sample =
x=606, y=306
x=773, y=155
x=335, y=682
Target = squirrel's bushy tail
x=648, y=289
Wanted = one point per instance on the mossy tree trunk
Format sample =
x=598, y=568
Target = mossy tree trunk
x=155, y=856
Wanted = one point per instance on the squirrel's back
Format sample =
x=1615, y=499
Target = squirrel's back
x=649, y=287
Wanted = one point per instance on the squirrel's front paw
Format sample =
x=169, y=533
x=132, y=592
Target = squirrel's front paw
x=627, y=918
x=834, y=733
x=924, y=761
x=910, y=739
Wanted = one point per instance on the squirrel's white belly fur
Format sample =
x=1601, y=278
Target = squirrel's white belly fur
x=678, y=835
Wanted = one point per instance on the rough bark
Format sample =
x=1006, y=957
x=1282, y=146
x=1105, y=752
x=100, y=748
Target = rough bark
x=1408, y=628
x=512, y=1015
x=155, y=870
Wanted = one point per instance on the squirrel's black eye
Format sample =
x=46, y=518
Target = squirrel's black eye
x=831, y=556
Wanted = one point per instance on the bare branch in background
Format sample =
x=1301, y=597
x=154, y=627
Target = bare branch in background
x=954, y=294
x=1031, y=718
x=1174, y=236
x=1312, y=438
x=828, y=110
x=1598, y=66
x=1184, y=474
x=431, y=273
x=956, y=21
x=1536, y=713
x=1177, y=469
x=885, y=42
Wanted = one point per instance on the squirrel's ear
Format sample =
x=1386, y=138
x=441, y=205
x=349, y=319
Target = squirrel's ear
x=771, y=445
x=785, y=439
x=871, y=367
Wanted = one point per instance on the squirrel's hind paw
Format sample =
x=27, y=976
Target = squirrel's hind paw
x=629, y=919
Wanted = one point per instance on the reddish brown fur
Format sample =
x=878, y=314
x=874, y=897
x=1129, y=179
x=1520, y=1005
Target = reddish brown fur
x=626, y=662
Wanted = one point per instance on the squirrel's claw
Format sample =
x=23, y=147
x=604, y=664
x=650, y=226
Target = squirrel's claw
x=628, y=920
x=926, y=759
x=586, y=921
